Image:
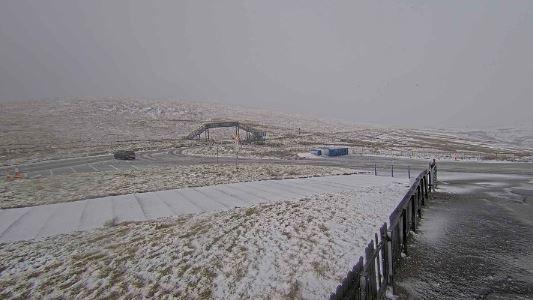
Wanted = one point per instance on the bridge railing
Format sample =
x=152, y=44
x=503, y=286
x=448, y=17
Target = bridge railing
x=372, y=275
x=257, y=134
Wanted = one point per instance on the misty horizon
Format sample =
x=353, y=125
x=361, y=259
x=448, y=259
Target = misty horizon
x=411, y=64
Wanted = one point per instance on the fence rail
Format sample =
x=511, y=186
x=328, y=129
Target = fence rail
x=371, y=275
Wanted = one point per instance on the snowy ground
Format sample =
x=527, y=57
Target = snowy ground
x=77, y=186
x=52, y=219
x=74, y=127
x=290, y=249
x=267, y=151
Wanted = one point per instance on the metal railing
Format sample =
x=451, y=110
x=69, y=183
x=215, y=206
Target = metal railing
x=371, y=275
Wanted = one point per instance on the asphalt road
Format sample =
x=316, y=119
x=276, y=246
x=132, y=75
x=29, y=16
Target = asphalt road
x=474, y=242
x=385, y=166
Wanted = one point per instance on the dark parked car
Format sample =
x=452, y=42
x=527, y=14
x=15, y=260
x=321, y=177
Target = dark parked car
x=124, y=154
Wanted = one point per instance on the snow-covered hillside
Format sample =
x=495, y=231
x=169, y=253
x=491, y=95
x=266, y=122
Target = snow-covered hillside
x=82, y=126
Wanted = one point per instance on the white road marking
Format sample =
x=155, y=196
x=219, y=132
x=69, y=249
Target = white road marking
x=92, y=167
x=73, y=170
x=116, y=169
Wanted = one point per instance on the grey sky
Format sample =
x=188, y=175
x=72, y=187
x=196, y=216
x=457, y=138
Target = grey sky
x=386, y=62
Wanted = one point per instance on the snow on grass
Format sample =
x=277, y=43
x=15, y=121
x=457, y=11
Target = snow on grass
x=77, y=186
x=75, y=127
x=267, y=150
x=293, y=249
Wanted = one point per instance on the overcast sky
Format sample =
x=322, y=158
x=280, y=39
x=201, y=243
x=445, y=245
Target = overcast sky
x=385, y=62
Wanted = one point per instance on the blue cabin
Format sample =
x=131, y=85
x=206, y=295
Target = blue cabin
x=330, y=151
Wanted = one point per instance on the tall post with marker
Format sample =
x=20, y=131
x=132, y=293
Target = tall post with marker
x=236, y=147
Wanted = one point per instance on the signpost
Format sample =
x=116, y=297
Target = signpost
x=236, y=138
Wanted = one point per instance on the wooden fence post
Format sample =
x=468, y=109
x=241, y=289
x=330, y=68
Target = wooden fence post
x=363, y=285
x=385, y=253
x=419, y=199
x=378, y=264
x=411, y=213
x=405, y=230
x=430, y=179
x=371, y=260
x=435, y=175
x=390, y=271
x=426, y=187
x=424, y=190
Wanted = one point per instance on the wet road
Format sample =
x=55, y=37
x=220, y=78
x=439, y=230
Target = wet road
x=475, y=241
x=174, y=157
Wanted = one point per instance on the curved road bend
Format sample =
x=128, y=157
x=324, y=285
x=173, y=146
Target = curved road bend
x=474, y=242
x=175, y=157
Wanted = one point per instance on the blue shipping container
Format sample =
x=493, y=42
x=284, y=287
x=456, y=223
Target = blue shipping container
x=337, y=151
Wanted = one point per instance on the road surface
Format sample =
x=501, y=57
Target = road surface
x=474, y=242
x=174, y=157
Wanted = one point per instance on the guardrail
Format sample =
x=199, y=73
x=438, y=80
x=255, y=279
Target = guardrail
x=371, y=275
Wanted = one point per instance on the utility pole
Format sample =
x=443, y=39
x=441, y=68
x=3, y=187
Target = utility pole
x=237, y=157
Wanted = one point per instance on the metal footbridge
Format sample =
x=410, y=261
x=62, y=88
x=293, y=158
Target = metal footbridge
x=252, y=134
